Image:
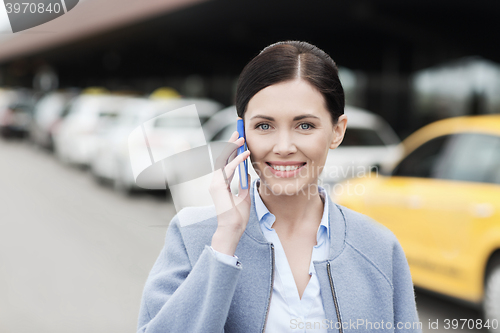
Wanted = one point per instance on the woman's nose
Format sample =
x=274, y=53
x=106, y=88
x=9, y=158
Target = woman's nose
x=284, y=145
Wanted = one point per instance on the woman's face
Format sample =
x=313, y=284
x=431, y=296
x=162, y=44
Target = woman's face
x=289, y=132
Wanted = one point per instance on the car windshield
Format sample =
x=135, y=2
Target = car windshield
x=361, y=137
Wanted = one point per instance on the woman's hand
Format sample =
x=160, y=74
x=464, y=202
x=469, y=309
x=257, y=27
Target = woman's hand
x=233, y=211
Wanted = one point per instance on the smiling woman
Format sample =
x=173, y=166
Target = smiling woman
x=281, y=255
x=288, y=124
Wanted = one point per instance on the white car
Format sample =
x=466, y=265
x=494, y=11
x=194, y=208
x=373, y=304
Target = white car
x=16, y=108
x=47, y=113
x=150, y=128
x=112, y=147
x=7, y=97
x=369, y=144
x=76, y=137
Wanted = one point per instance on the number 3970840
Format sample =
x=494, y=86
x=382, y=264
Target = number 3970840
x=33, y=7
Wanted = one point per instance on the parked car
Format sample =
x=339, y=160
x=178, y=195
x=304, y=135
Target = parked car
x=369, y=143
x=77, y=135
x=150, y=124
x=7, y=98
x=112, y=147
x=442, y=201
x=47, y=114
x=16, y=111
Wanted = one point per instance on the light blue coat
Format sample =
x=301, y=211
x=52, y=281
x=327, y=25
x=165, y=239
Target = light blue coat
x=365, y=284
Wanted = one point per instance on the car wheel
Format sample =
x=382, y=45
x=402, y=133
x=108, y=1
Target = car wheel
x=491, y=301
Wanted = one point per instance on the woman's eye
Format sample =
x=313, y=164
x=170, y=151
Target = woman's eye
x=306, y=126
x=263, y=126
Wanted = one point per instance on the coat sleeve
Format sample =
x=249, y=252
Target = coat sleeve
x=405, y=309
x=179, y=297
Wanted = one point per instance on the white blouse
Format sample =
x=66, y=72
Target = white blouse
x=287, y=311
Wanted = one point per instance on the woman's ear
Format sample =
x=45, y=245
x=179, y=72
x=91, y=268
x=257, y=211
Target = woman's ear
x=339, y=131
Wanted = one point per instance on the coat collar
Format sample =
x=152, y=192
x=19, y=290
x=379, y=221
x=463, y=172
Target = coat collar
x=336, y=220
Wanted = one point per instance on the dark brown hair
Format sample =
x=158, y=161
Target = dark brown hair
x=288, y=60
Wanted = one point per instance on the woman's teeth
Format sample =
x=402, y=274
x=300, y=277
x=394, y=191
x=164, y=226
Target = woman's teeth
x=285, y=168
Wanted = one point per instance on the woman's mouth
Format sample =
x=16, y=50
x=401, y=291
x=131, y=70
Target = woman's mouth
x=285, y=171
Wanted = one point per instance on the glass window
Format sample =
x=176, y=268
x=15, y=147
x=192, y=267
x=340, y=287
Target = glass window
x=422, y=161
x=361, y=137
x=471, y=157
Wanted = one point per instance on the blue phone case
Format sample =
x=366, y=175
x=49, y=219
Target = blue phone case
x=242, y=168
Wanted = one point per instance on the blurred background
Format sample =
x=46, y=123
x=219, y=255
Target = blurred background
x=79, y=236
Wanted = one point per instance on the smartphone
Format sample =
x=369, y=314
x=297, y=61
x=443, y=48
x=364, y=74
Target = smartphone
x=243, y=167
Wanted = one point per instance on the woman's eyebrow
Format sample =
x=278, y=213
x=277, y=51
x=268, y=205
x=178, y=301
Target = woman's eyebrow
x=302, y=116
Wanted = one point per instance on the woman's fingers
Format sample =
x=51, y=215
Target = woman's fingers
x=231, y=167
x=232, y=210
x=234, y=159
x=239, y=142
x=234, y=136
x=220, y=189
x=225, y=152
x=225, y=175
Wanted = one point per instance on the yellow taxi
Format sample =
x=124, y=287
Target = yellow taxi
x=442, y=201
